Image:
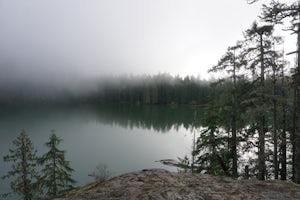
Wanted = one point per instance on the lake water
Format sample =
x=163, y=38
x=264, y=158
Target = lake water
x=125, y=138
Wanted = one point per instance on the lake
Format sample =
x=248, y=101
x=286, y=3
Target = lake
x=123, y=137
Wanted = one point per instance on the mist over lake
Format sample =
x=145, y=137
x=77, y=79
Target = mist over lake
x=127, y=84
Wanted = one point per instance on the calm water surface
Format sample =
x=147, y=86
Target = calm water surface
x=125, y=138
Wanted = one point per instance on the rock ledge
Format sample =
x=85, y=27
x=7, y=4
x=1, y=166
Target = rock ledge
x=161, y=184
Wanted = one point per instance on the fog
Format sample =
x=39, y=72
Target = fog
x=59, y=42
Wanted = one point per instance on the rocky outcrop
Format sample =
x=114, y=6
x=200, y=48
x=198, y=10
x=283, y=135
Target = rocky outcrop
x=161, y=184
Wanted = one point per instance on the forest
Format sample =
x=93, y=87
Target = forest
x=254, y=110
x=251, y=122
x=160, y=89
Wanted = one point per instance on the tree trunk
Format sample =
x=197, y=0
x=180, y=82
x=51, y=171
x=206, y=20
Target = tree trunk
x=275, y=136
x=234, y=149
x=293, y=136
x=261, y=133
x=234, y=128
x=283, y=134
x=26, y=187
x=297, y=128
x=297, y=133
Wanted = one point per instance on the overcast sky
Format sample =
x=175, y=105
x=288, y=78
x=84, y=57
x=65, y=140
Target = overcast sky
x=67, y=39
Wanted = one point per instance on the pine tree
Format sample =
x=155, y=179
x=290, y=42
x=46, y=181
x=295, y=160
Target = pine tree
x=56, y=170
x=23, y=169
x=232, y=62
x=276, y=13
x=283, y=134
x=275, y=134
x=211, y=153
x=257, y=52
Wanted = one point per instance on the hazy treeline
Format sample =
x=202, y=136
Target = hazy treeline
x=157, y=89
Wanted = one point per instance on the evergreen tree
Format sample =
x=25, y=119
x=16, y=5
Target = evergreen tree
x=275, y=133
x=283, y=124
x=258, y=57
x=275, y=13
x=23, y=169
x=211, y=153
x=56, y=170
x=231, y=62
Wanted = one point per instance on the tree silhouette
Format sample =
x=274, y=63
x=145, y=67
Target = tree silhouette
x=275, y=13
x=211, y=153
x=23, y=169
x=231, y=62
x=255, y=35
x=56, y=170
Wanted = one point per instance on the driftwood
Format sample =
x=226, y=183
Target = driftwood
x=174, y=163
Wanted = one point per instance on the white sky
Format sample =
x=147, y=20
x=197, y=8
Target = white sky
x=64, y=39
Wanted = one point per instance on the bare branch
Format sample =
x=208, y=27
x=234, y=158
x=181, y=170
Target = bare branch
x=251, y=1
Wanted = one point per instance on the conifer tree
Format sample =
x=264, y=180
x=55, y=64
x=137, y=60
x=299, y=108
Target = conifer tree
x=56, y=170
x=275, y=134
x=257, y=52
x=283, y=124
x=211, y=153
x=232, y=62
x=23, y=169
x=276, y=13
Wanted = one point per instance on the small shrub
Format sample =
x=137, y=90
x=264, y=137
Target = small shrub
x=101, y=172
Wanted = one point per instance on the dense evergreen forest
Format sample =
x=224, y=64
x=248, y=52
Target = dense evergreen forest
x=161, y=89
x=251, y=122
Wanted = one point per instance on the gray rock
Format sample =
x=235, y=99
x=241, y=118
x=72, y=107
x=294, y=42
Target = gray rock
x=160, y=184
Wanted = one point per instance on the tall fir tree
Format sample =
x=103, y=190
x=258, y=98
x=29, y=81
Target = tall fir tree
x=284, y=121
x=231, y=62
x=56, y=170
x=276, y=13
x=259, y=45
x=23, y=169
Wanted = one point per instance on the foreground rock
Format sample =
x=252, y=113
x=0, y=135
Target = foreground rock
x=161, y=184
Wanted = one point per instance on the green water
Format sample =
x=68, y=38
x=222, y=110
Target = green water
x=124, y=137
